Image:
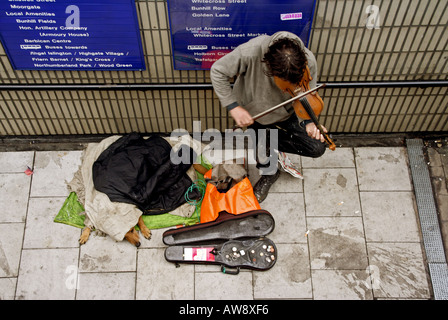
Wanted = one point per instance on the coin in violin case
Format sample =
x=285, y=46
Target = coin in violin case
x=231, y=241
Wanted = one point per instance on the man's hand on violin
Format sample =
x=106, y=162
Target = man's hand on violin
x=241, y=117
x=314, y=132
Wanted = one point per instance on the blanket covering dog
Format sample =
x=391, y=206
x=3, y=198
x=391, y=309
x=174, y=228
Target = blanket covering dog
x=110, y=217
x=140, y=171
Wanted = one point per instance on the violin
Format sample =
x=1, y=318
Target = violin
x=308, y=106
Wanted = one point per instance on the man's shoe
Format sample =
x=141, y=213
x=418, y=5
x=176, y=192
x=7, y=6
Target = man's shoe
x=288, y=166
x=261, y=188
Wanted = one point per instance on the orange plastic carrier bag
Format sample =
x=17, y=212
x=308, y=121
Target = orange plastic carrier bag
x=239, y=198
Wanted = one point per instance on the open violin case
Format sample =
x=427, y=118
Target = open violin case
x=231, y=241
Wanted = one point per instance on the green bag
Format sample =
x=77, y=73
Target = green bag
x=71, y=212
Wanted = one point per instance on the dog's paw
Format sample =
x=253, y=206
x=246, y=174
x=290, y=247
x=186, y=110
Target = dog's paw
x=143, y=228
x=84, y=236
x=83, y=239
x=145, y=232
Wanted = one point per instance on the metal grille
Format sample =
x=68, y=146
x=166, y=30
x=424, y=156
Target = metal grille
x=425, y=202
x=439, y=277
x=410, y=44
x=429, y=222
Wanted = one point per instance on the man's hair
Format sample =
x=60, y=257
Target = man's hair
x=285, y=59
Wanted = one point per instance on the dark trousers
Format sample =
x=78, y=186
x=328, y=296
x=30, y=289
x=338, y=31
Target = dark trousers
x=292, y=138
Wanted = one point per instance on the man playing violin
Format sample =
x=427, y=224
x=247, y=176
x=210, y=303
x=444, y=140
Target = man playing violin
x=263, y=69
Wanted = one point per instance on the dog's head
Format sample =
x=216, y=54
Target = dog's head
x=133, y=237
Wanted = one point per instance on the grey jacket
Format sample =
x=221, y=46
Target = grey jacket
x=252, y=89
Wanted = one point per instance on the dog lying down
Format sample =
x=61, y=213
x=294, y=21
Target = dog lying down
x=99, y=209
x=131, y=236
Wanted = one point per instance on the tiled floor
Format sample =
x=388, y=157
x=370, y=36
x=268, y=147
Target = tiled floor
x=349, y=230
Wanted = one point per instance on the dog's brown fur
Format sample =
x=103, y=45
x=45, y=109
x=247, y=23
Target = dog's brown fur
x=132, y=235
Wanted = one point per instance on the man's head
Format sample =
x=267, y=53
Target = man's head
x=286, y=60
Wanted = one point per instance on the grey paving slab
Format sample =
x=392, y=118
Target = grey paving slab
x=390, y=216
x=400, y=270
x=106, y=286
x=331, y=192
x=14, y=195
x=342, y=285
x=102, y=254
x=42, y=232
x=287, y=184
x=290, y=278
x=339, y=158
x=158, y=279
x=52, y=171
x=45, y=274
x=220, y=286
x=289, y=214
x=16, y=162
x=11, y=235
x=337, y=243
x=383, y=169
x=156, y=240
x=7, y=288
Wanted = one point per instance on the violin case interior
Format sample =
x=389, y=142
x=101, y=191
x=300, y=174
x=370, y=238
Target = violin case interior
x=232, y=241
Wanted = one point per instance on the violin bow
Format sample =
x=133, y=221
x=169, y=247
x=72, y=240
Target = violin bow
x=301, y=95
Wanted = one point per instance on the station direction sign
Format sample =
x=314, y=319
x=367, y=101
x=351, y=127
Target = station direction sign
x=71, y=34
x=202, y=31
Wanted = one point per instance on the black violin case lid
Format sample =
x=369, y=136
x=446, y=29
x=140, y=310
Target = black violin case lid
x=232, y=241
